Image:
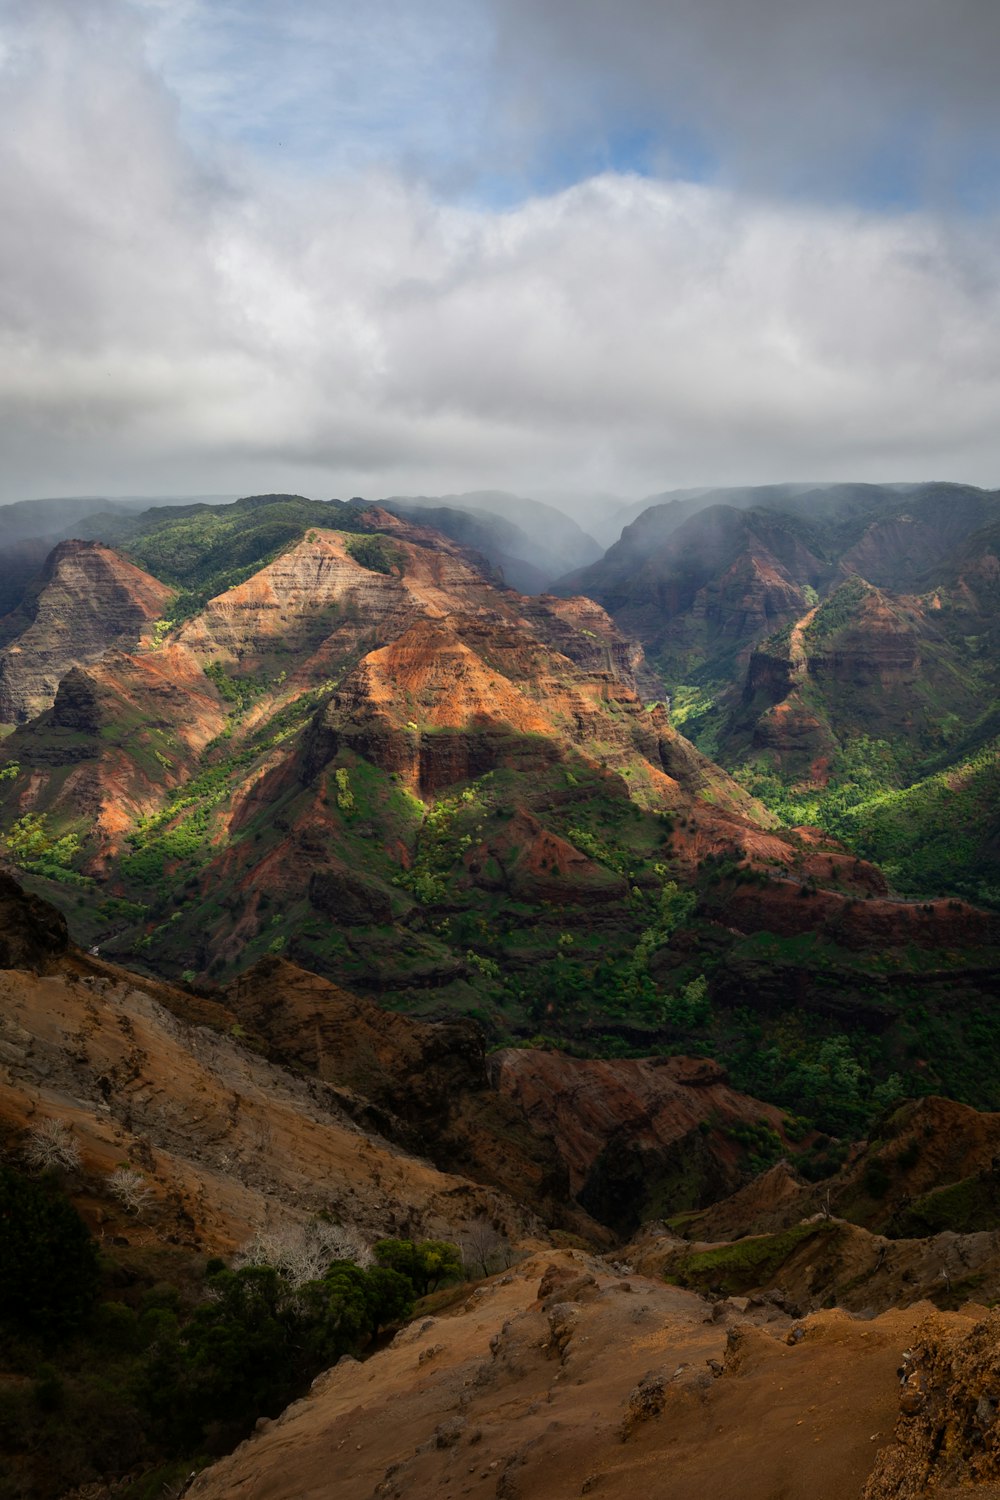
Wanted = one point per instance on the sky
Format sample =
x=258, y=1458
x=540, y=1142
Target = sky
x=552, y=246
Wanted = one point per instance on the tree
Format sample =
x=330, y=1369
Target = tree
x=238, y=1358
x=426, y=1264
x=48, y=1263
x=130, y=1188
x=484, y=1249
x=303, y=1252
x=350, y=1305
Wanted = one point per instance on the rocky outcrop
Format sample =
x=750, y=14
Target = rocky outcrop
x=612, y=1140
x=32, y=932
x=794, y=905
x=424, y=1085
x=87, y=600
x=529, y=863
x=227, y=1142
x=348, y=898
x=930, y=1173
x=899, y=548
x=640, y=1137
x=863, y=664
x=945, y=1437
x=451, y=699
x=128, y=729
x=769, y=676
x=317, y=603
x=581, y=630
x=711, y=587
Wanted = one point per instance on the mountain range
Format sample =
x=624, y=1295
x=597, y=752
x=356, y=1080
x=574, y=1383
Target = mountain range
x=649, y=921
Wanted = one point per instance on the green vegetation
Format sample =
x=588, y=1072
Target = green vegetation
x=837, y=612
x=425, y=1264
x=741, y=1267
x=48, y=1264
x=148, y=1362
x=442, y=840
x=963, y=1207
x=927, y=834
x=255, y=1345
x=377, y=553
x=202, y=550
x=238, y=691
x=30, y=845
x=345, y=797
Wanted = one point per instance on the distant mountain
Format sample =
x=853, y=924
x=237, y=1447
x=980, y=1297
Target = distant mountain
x=794, y=636
x=30, y=528
x=85, y=600
x=345, y=744
x=700, y=581
x=532, y=543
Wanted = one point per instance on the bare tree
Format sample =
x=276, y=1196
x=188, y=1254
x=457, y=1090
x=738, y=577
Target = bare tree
x=130, y=1188
x=303, y=1252
x=51, y=1144
x=484, y=1249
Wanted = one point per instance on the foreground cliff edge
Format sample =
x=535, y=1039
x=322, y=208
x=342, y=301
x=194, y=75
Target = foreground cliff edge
x=573, y=1369
x=562, y=1378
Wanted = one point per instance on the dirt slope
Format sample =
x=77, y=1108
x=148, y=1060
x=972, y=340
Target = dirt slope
x=600, y=1384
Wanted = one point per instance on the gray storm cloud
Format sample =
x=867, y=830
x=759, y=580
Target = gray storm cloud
x=170, y=320
x=888, y=95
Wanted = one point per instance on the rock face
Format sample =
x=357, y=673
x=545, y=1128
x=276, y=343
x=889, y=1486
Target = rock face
x=227, y=1141
x=640, y=1137
x=588, y=1144
x=87, y=599
x=932, y=1167
x=494, y=680
x=945, y=1439
x=424, y=1085
x=711, y=586
x=120, y=737
x=863, y=663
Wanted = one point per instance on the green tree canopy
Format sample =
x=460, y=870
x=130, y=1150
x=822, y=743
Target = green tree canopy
x=48, y=1261
x=426, y=1264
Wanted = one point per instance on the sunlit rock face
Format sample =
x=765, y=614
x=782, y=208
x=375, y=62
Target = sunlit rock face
x=87, y=600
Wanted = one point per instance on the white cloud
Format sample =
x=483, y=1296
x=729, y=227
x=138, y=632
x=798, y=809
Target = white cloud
x=172, y=321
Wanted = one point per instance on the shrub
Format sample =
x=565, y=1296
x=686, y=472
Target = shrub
x=130, y=1188
x=51, y=1146
x=376, y=553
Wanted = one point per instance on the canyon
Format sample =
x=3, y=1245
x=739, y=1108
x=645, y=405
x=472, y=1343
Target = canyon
x=351, y=887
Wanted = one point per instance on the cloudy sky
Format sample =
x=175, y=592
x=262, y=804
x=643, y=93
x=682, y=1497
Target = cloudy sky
x=429, y=245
